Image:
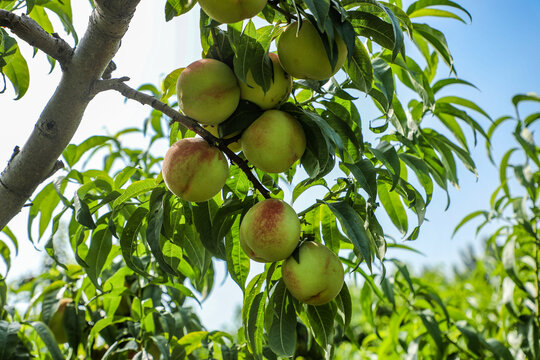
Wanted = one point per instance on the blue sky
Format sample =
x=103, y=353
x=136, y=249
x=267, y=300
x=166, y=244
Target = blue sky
x=499, y=52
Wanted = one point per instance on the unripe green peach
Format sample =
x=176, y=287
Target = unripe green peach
x=56, y=322
x=274, y=141
x=231, y=11
x=234, y=146
x=270, y=231
x=318, y=276
x=279, y=90
x=208, y=91
x=303, y=55
x=193, y=170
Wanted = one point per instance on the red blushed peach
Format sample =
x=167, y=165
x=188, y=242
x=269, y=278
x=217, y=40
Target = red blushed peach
x=270, y=231
x=231, y=11
x=193, y=170
x=279, y=90
x=274, y=141
x=208, y=91
x=318, y=276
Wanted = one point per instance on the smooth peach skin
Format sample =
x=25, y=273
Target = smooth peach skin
x=231, y=11
x=193, y=170
x=208, y=91
x=235, y=146
x=279, y=90
x=274, y=141
x=270, y=231
x=319, y=276
x=304, y=56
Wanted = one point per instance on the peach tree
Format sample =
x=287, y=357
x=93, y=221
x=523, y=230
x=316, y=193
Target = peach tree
x=142, y=249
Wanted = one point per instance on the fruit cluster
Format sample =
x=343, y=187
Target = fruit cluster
x=209, y=92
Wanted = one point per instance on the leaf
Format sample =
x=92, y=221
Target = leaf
x=359, y=68
x=416, y=6
x=319, y=9
x=450, y=81
x=384, y=80
x=282, y=332
x=437, y=40
x=82, y=213
x=365, y=173
x=8, y=338
x=321, y=321
x=73, y=153
x=353, y=226
x=386, y=154
x=96, y=259
x=238, y=262
x=135, y=189
x=175, y=8
x=16, y=70
x=48, y=339
x=394, y=207
x=153, y=232
x=373, y=28
x=468, y=218
x=433, y=330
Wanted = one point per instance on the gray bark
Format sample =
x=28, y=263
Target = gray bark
x=38, y=158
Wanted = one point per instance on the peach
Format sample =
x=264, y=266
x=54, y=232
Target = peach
x=208, y=91
x=279, y=90
x=270, y=231
x=274, y=141
x=231, y=11
x=193, y=170
x=318, y=276
x=303, y=55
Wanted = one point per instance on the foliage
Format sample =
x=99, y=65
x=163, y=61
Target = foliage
x=489, y=307
x=139, y=253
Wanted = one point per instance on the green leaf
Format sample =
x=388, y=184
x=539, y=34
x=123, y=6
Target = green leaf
x=253, y=315
x=353, y=226
x=433, y=330
x=387, y=154
x=365, y=173
x=450, y=81
x=319, y=9
x=135, y=189
x=153, y=232
x=373, y=28
x=16, y=70
x=175, y=8
x=100, y=247
x=437, y=40
x=282, y=332
x=384, y=80
x=359, y=68
x=421, y=171
x=82, y=213
x=469, y=217
x=416, y=6
x=321, y=320
x=238, y=262
x=128, y=239
x=47, y=337
x=73, y=153
x=8, y=338
x=391, y=202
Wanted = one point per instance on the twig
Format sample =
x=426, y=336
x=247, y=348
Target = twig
x=274, y=5
x=30, y=31
x=191, y=124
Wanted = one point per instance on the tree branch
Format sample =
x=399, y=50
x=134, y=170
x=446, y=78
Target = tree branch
x=28, y=30
x=62, y=115
x=191, y=124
